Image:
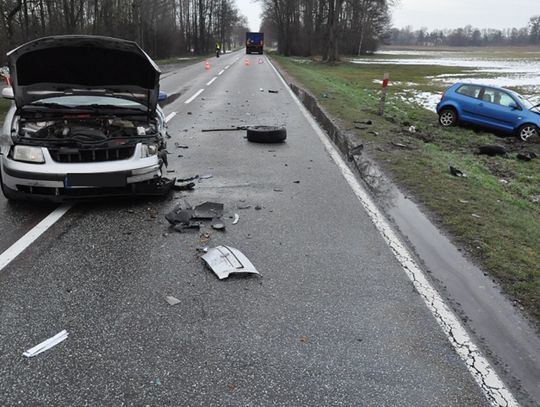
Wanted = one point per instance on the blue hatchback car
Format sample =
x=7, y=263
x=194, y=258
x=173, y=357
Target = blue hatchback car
x=491, y=107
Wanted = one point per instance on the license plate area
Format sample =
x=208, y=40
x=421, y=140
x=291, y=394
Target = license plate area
x=112, y=179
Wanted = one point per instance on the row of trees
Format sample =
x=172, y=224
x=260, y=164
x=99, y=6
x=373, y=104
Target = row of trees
x=162, y=27
x=326, y=27
x=469, y=36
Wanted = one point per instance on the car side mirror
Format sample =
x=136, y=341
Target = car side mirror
x=514, y=106
x=162, y=96
x=7, y=93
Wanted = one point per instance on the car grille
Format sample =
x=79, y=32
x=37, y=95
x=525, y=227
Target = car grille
x=73, y=155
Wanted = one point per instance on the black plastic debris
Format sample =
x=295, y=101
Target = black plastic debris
x=492, y=150
x=178, y=145
x=182, y=180
x=526, y=156
x=273, y=91
x=208, y=210
x=243, y=206
x=180, y=214
x=457, y=173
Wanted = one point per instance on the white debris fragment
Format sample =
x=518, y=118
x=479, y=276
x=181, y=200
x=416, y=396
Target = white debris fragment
x=46, y=345
x=236, y=219
x=172, y=300
x=225, y=260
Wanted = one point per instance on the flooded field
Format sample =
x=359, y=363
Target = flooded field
x=511, y=68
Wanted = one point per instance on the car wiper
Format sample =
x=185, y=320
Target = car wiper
x=114, y=107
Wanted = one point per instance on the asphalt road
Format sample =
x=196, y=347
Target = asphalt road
x=332, y=321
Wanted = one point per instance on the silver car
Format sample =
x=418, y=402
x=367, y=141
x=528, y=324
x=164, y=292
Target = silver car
x=85, y=121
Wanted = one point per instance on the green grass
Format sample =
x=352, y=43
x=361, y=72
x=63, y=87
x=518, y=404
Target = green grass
x=505, y=237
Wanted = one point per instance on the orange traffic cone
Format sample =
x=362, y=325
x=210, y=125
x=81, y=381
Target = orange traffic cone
x=207, y=65
x=247, y=62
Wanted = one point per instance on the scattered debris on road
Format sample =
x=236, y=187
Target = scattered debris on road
x=178, y=145
x=492, y=150
x=278, y=189
x=457, y=173
x=47, y=344
x=203, y=177
x=236, y=219
x=234, y=128
x=184, y=187
x=243, y=206
x=218, y=226
x=273, y=91
x=224, y=261
x=208, y=210
x=172, y=300
x=182, y=180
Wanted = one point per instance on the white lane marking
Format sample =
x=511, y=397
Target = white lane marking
x=191, y=99
x=211, y=81
x=483, y=373
x=170, y=116
x=221, y=72
x=227, y=67
x=31, y=236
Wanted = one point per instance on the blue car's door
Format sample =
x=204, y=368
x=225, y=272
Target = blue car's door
x=496, y=109
x=467, y=97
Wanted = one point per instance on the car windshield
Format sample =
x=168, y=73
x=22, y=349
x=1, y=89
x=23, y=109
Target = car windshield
x=525, y=102
x=91, y=101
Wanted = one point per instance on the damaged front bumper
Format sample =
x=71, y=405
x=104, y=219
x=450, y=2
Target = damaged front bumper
x=55, y=181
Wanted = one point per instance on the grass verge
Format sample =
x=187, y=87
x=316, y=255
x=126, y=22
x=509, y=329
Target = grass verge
x=494, y=213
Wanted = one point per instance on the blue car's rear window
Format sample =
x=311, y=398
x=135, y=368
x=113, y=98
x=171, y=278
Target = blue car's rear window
x=469, y=90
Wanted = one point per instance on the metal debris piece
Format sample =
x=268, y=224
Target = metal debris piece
x=180, y=180
x=236, y=219
x=47, y=344
x=243, y=206
x=218, y=226
x=172, y=300
x=184, y=187
x=202, y=249
x=208, y=210
x=234, y=128
x=278, y=189
x=178, y=145
x=224, y=261
x=205, y=177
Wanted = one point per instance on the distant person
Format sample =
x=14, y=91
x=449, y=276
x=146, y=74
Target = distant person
x=218, y=49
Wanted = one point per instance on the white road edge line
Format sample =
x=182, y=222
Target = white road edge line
x=191, y=99
x=227, y=67
x=211, y=81
x=170, y=116
x=483, y=373
x=32, y=235
x=221, y=72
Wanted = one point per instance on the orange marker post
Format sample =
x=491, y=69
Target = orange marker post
x=386, y=80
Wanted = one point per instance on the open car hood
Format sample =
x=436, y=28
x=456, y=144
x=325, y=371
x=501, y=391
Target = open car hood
x=83, y=65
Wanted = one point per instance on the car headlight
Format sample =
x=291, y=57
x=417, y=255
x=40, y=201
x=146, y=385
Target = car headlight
x=148, y=150
x=28, y=154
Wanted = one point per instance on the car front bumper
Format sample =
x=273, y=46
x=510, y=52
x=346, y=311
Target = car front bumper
x=67, y=181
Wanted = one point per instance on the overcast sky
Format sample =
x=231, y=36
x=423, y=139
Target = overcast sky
x=459, y=13
x=440, y=13
x=252, y=10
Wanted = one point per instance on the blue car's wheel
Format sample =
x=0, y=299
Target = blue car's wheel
x=527, y=131
x=447, y=117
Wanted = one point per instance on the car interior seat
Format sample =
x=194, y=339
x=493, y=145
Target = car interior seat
x=486, y=98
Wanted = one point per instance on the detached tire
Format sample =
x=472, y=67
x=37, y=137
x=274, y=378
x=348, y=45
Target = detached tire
x=266, y=134
x=448, y=117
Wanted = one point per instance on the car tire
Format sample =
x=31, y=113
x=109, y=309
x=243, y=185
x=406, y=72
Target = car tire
x=448, y=117
x=527, y=131
x=266, y=134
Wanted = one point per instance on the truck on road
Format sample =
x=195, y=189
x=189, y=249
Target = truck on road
x=254, y=42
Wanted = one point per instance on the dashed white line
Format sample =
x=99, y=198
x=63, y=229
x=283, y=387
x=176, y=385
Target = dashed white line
x=211, y=81
x=191, y=99
x=481, y=370
x=227, y=67
x=221, y=72
x=170, y=116
x=31, y=236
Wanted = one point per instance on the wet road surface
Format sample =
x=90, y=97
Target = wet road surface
x=333, y=319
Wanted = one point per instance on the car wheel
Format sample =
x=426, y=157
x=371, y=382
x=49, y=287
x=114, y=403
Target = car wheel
x=266, y=134
x=527, y=131
x=448, y=117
